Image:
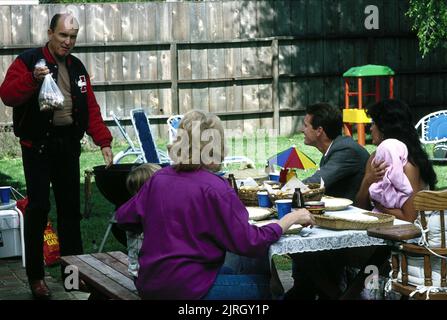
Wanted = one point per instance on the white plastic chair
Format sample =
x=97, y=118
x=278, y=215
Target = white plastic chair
x=173, y=122
x=432, y=129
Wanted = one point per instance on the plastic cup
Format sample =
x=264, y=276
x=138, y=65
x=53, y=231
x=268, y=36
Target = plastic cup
x=283, y=206
x=263, y=199
x=274, y=176
x=5, y=193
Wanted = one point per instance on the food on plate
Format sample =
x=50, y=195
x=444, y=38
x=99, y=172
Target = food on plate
x=294, y=229
x=333, y=204
x=353, y=216
x=258, y=213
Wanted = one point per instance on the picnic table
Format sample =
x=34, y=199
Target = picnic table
x=105, y=275
x=318, y=239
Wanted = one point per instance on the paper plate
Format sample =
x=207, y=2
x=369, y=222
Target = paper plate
x=294, y=229
x=258, y=213
x=334, y=204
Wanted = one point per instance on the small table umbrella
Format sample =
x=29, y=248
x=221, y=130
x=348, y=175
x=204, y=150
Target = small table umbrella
x=291, y=158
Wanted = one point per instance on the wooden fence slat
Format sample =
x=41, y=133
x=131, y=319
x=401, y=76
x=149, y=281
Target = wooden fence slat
x=298, y=16
x=231, y=20
x=95, y=24
x=215, y=20
x=283, y=20
x=265, y=18
x=164, y=21
x=148, y=25
x=5, y=25
x=248, y=19
x=112, y=22
x=20, y=20
x=129, y=25
x=180, y=16
x=40, y=22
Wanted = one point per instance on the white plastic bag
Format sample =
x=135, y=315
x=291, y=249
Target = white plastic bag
x=50, y=96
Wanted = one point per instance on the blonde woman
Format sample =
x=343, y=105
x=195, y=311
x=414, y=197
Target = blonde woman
x=190, y=217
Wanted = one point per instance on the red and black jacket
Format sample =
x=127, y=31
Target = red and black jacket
x=20, y=90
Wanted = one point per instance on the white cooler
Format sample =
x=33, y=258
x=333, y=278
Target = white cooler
x=10, y=243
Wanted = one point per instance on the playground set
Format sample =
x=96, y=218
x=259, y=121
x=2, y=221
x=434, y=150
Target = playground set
x=356, y=115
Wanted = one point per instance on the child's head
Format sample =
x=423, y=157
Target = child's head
x=139, y=175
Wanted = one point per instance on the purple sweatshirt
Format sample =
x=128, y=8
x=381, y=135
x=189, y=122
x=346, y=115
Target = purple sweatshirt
x=189, y=220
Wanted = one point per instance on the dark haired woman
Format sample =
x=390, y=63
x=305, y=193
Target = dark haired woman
x=392, y=130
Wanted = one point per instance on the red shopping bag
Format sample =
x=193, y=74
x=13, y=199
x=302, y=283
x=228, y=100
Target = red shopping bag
x=51, y=250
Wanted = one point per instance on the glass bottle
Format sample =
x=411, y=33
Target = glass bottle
x=233, y=183
x=297, y=199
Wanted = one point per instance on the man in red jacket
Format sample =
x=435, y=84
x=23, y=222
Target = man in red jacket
x=50, y=141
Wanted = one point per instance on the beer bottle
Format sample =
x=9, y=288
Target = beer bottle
x=297, y=199
x=233, y=183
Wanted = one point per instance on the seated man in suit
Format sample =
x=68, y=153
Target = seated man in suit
x=342, y=167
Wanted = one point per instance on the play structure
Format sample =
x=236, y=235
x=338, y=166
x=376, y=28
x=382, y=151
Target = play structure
x=356, y=114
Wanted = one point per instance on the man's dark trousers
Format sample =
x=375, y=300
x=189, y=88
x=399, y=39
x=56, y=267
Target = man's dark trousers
x=54, y=160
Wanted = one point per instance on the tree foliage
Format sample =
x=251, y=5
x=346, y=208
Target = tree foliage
x=429, y=18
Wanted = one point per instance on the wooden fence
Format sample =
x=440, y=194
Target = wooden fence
x=255, y=63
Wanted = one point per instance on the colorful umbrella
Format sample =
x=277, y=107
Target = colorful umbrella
x=292, y=158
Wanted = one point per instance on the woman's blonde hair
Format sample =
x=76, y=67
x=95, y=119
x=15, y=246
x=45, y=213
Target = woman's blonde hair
x=200, y=142
x=139, y=175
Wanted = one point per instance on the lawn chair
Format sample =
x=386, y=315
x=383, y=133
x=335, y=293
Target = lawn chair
x=173, y=123
x=148, y=151
x=131, y=149
x=433, y=130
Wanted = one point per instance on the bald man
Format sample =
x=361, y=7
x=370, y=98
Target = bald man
x=50, y=141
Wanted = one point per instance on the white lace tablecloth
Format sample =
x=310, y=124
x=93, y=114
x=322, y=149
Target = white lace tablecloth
x=319, y=239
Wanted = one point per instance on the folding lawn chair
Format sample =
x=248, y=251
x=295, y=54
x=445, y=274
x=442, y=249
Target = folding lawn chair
x=433, y=130
x=131, y=149
x=147, y=152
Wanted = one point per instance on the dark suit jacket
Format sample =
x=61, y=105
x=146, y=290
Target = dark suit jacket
x=342, y=169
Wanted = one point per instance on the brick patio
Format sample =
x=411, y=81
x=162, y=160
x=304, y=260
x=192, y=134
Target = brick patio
x=14, y=284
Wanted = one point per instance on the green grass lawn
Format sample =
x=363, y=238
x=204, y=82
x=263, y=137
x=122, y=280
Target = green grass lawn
x=94, y=227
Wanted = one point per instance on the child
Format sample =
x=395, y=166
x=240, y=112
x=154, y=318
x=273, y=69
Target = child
x=135, y=180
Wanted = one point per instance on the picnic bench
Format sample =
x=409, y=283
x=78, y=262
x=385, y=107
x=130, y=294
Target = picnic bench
x=105, y=275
